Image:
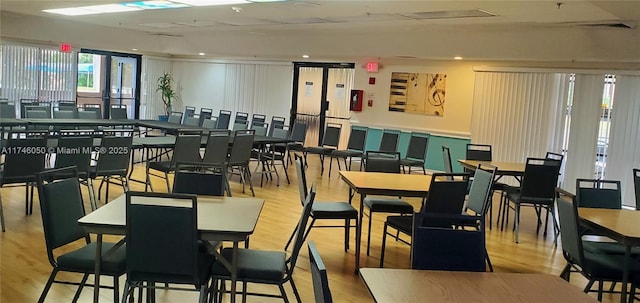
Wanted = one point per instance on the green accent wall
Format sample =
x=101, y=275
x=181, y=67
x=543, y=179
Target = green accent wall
x=457, y=146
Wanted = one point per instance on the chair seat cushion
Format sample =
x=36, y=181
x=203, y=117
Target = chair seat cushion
x=163, y=166
x=83, y=259
x=345, y=153
x=93, y=172
x=205, y=260
x=254, y=265
x=612, y=248
x=411, y=162
x=607, y=266
x=319, y=150
x=333, y=210
x=401, y=223
x=388, y=205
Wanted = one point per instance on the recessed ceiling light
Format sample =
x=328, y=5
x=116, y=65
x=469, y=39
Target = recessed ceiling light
x=210, y=2
x=134, y=49
x=201, y=54
x=92, y=10
x=155, y=4
x=305, y=56
x=457, y=58
x=236, y=9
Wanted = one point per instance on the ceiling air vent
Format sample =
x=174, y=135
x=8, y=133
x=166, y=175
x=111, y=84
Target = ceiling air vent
x=448, y=14
x=610, y=25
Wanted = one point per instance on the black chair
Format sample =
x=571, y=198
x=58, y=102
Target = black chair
x=260, y=128
x=195, y=178
x=205, y=114
x=211, y=123
x=321, y=291
x=20, y=166
x=216, y=154
x=7, y=110
x=113, y=162
x=61, y=206
x=240, y=125
x=65, y=114
x=241, y=116
x=297, y=136
x=383, y=162
x=189, y=112
x=554, y=156
x=446, y=197
x=325, y=210
x=118, y=111
x=96, y=108
x=265, y=267
x=537, y=189
x=330, y=142
x=158, y=252
x=24, y=103
x=224, y=117
x=240, y=156
x=355, y=148
x=192, y=121
x=258, y=119
x=389, y=141
x=186, y=150
x=596, y=193
x=74, y=148
x=480, y=152
x=448, y=247
x=276, y=122
x=416, y=152
x=175, y=117
x=446, y=159
x=594, y=267
x=636, y=186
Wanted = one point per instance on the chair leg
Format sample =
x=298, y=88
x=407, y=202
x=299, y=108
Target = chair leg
x=248, y=177
x=384, y=244
x=26, y=199
x=106, y=193
x=566, y=272
x=347, y=226
x=32, y=186
x=166, y=180
x=295, y=290
x=2, y=216
x=116, y=289
x=587, y=288
x=48, y=285
x=127, y=292
x=600, y=290
x=321, y=164
x=203, y=294
x=283, y=293
x=488, y=260
x=80, y=287
x=369, y=231
x=516, y=221
x=331, y=165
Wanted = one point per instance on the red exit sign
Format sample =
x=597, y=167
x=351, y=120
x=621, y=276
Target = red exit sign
x=65, y=47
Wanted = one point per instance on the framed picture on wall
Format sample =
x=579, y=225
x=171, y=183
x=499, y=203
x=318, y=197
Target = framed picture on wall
x=418, y=93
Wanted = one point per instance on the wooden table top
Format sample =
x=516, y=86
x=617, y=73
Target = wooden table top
x=215, y=215
x=619, y=224
x=388, y=182
x=502, y=168
x=424, y=286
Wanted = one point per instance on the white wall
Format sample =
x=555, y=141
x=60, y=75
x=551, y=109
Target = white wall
x=456, y=120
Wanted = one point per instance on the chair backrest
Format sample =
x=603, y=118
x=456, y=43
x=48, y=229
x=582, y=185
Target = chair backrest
x=239, y=125
x=389, y=141
x=554, y=156
x=87, y=114
x=446, y=159
x=162, y=237
x=540, y=180
x=569, y=230
x=276, y=122
x=223, y=119
x=187, y=148
x=241, y=116
x=260, y=128
x=65, y=114
x=446, y=195
x=37, y=112
x=175, y=117
x=302, y=179
x=96, y=108
x=480, y=191
x=24, y=158
x=382, y=162
x=357, y=138
x=418, y=145
x=194, y=179
x=189, y=111
x=217, y=148
x=7, y=110
x=24, y=103
x=258, y=119
x=321, y=291
x=332, y=135
x=636, y=186
x=115, y=153
x=598, y=193
x=299, y=132
x=74, y=150
x=281, y=132
x=300, y=229
x=61, y=206
x=446, y=247
x=241, y=147
x=205, y=114
x=480, y=152
x=119, y=112
x=211, y=123
x=192, y=121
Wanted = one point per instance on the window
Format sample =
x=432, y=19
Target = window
x=89, y=73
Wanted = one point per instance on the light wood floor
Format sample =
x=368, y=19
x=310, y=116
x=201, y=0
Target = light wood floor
x=25, y=268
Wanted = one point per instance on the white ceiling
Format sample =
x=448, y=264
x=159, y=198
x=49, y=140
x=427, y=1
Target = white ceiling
x=519, y=30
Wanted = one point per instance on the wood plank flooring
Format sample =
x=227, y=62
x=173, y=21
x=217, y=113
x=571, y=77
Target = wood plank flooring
x=25, y=267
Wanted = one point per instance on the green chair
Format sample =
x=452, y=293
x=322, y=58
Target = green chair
x=61, y=206
x=264, y=267
x=162, y=243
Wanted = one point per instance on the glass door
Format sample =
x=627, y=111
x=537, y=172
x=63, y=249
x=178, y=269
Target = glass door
x=123, y=83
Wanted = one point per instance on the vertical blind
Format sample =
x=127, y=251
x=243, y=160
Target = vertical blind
x=37, y=73
x=151, y=102
x=624, y=140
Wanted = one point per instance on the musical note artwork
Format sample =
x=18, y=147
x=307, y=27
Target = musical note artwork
x=418, y=93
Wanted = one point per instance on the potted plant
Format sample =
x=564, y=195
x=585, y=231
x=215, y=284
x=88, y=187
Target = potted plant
x=167, y=93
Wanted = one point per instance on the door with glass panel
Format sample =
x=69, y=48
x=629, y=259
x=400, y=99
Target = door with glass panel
x=321, y=96
x=123, y=83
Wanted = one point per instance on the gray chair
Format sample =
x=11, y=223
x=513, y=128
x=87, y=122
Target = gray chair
x=265, y=267
x=383, y=162
x=260, y=128
x=186, y=150
x=242, y=116
x=7, y=110
x=239, y=125
x=189, y=111
x=446, y=159
x=297, y=135
x=192, y=121
x=224, y=117
x=325, y=210
x=276, y=122
x=175, y=117
x=118, y=112
x=113, y=162
x=321, y=291
x=158, y=252
x=74, y=148
x=240, y=156
x=216, y=154
x=61, y=206
x=389, y=140
x=65, y=114
x=211, y=123
x=258, y=119
x=95, y=108
x=416, y=152
x=355, y=148
x=330, y=142
x=205, y=114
